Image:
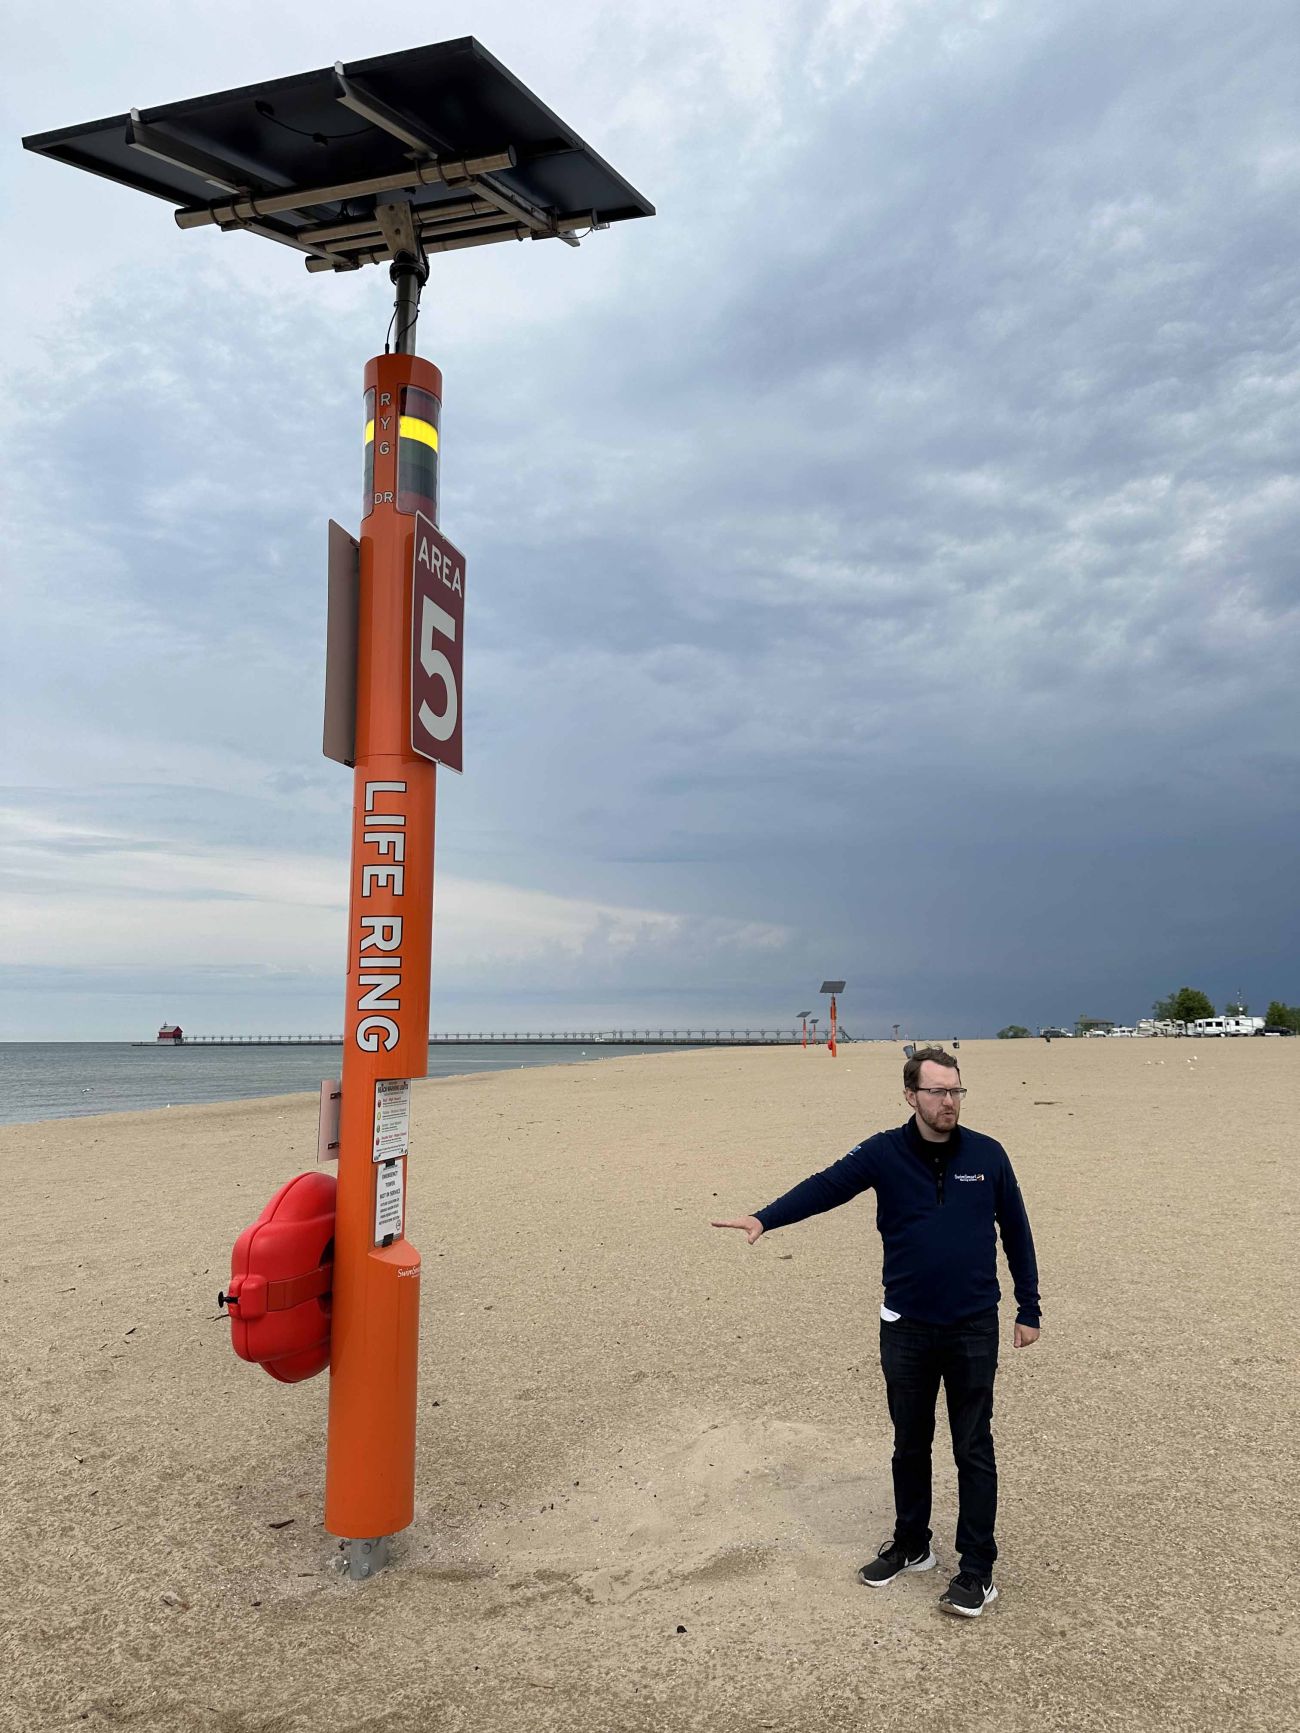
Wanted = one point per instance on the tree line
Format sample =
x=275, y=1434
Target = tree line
x=1187, y=1005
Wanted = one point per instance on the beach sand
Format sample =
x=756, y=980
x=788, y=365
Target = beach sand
x=632, y=1423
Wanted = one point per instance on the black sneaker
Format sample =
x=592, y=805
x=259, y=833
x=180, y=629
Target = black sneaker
x=891, y=1561
x=967, y=1595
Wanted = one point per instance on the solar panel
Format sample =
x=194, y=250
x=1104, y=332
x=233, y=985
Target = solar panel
x=440, y=146
x=831, y=987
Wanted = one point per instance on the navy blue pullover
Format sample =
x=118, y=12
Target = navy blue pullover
x=939, y=1207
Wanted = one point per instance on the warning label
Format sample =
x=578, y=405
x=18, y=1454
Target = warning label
x=392, y=1118
x=388, y=1203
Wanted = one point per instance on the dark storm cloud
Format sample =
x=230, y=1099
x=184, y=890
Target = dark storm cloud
x=1052, y=393
x=978, y=478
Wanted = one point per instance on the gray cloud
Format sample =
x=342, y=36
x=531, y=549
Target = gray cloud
x=892, y=542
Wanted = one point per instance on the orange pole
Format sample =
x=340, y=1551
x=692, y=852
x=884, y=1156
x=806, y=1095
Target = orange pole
x=805, y=1032
x=831, y=1042
x=370, y=1461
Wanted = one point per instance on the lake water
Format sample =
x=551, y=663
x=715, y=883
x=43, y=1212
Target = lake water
x=65, y=1079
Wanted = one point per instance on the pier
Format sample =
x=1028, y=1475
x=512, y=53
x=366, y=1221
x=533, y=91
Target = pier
x=692, y=1037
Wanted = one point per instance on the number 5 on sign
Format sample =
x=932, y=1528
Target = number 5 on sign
x=437, y=648
x=434, y=619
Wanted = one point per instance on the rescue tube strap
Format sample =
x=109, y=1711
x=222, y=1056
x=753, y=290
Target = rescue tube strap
x=283, y=1296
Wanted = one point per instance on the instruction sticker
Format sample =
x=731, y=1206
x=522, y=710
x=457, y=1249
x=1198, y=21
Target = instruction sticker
x=389, y=1200
x=392, y=1118
x=327, y=1126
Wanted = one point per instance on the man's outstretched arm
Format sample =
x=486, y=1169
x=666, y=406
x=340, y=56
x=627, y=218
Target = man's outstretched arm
x=835, y=1185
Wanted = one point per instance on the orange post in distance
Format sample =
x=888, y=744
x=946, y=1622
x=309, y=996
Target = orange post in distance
x=370, y=1462
x=831, y=1042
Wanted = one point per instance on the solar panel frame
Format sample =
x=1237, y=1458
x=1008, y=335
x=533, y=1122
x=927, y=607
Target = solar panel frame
x=297, y=135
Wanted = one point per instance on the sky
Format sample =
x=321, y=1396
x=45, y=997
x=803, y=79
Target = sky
x=882, y=563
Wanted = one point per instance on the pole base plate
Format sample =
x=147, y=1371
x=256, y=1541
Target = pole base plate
x=364, y=1557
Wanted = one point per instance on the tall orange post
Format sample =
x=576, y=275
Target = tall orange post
x=831, y=1042
x=370, y=1465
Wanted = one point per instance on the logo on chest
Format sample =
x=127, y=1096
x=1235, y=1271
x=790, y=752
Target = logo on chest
x=970, y=1178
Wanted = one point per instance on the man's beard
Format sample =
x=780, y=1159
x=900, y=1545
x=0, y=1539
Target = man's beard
x=941, y=1122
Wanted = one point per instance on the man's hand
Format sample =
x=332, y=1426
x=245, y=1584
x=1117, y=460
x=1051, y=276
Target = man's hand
x=747, y=1224
x=1025, y=1336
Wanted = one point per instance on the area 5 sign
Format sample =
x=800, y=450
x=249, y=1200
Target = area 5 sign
x=437, y=648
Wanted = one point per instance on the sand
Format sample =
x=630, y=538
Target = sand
x=651, y=1458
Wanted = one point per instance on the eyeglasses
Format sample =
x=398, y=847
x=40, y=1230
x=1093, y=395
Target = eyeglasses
x=956, y=1094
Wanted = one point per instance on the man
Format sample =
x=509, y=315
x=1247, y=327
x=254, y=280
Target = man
x=941, y=1195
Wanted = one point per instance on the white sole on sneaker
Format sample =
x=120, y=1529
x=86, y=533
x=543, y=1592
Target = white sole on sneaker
x=925, y=1564
x=969, y=1612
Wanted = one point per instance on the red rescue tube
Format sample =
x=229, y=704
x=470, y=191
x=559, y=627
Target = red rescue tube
x=281, y=1279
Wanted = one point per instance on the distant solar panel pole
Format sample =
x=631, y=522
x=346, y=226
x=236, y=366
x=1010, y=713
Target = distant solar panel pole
x=832, y=987
x=389, y=160
x=803, y=1018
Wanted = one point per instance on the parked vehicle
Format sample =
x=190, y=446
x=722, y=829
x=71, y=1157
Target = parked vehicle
x=1226, y=1026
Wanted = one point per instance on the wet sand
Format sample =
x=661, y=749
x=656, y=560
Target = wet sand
x=631, y=1422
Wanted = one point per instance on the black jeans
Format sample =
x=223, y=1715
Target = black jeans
x=915, y=1357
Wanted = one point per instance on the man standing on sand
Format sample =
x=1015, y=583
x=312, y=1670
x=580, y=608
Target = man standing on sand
x=941, y=1195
